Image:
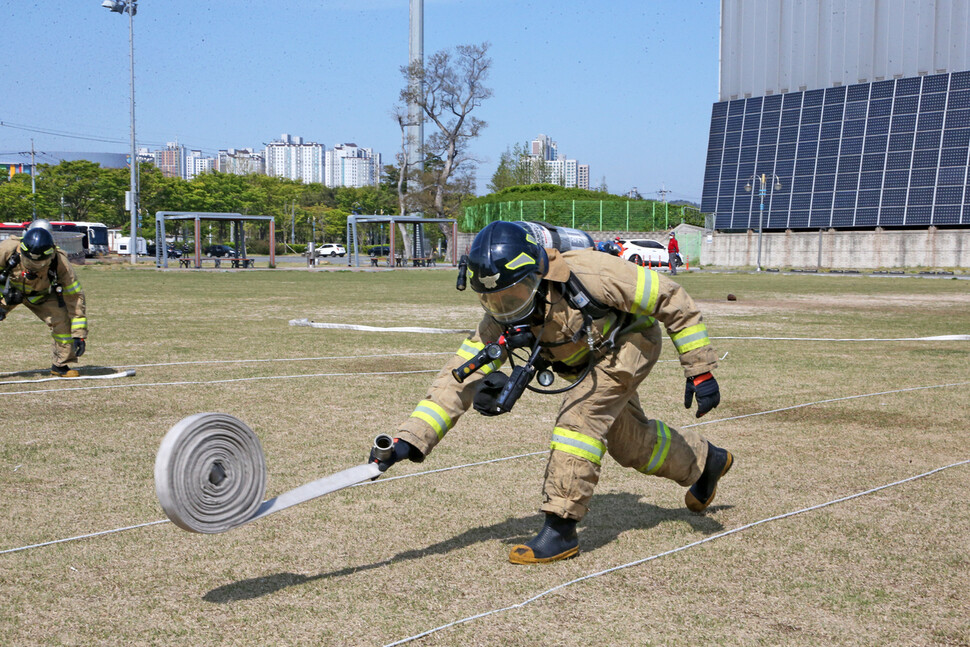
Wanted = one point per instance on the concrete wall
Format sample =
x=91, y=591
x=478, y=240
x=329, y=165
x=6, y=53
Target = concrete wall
x=930, y=248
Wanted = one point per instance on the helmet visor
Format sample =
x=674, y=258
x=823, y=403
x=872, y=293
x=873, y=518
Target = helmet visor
x=514, y=302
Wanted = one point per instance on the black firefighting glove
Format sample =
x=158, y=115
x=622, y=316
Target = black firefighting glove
x=12, y=296
x=400, y=451
x=486, y=399
x=704, y=386
x=78, y=346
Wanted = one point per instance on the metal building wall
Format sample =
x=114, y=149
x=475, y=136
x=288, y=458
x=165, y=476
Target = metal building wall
x=778, y=46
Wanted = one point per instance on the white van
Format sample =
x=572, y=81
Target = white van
x=125, y=251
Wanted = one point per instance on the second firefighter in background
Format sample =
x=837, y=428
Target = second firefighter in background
x=39, y=275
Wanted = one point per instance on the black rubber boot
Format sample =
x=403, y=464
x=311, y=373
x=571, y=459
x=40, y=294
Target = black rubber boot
x=701, y=494
x=557, y=540
x=63, y=371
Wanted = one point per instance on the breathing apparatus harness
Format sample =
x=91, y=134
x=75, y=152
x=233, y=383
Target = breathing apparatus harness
x=519, y=335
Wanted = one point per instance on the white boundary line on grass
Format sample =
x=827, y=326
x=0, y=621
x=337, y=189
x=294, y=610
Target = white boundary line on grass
x=225, y=381
x=286, y=359
x=508, y=458
x=935, y=338
x=672, y=551
x=384, y=355
x=236, y=379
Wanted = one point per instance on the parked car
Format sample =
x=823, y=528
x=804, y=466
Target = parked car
x=171, y=250
x=219, y=251
x=642, y=252
x=330, y=249
x=380, y=250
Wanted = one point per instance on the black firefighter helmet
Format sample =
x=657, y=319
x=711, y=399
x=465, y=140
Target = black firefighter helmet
x=505, y=267
x=37, y=244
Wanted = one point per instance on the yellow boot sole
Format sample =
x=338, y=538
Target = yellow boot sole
x=522, y=554
x=696, y=505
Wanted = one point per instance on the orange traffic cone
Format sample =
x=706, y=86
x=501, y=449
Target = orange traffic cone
x=686, y=264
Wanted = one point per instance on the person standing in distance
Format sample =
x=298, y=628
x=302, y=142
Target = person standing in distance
x=673, y=252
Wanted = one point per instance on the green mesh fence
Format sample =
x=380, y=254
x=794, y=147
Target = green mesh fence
x=588, y=215
x=690, y=246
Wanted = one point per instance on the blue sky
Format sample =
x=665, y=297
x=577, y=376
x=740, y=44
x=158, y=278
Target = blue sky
x=623, y=85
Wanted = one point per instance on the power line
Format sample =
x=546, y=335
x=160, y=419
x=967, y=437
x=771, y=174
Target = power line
x=61, y=133
x=87, y=137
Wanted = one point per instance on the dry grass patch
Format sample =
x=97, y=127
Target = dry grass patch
x=390, y=559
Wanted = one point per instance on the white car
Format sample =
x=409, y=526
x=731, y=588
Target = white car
x=642, y=252
x=330, y=249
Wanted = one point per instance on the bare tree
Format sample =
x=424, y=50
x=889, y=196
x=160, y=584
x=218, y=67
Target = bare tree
x=447, y=88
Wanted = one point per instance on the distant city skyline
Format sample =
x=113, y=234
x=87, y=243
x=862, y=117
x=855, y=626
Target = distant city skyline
x=628, y=91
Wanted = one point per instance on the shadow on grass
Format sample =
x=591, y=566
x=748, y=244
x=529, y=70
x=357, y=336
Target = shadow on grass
x=610, y=515
x=46, y=372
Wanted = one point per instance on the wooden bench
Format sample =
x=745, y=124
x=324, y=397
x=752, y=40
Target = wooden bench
x=235, y=261
x=427, y=261
x=189, y=261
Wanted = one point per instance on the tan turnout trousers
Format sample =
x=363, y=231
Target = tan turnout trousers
x=605, y=406
x=59, y=322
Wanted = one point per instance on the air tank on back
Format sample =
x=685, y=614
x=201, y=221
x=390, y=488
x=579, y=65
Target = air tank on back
x=561, y=238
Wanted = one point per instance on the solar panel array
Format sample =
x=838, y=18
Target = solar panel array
x=888, y=154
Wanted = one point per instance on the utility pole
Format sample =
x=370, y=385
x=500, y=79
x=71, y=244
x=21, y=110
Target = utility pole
x=663, y=196
x=33, y=183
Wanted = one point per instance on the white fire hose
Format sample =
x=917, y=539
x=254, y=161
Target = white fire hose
x=210, y=475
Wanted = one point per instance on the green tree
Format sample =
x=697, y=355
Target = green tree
x=74, y=191
x=16, y=201
x=517, y=168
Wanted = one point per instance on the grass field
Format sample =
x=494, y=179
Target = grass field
x=384, y=562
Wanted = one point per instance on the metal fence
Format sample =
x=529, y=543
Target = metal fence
x=588, y=215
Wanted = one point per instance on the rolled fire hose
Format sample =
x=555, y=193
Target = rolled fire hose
x=210, y=475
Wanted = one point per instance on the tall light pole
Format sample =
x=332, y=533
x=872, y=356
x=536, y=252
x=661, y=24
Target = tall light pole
x=415, y=126
x=130, y=7
x=755, y=179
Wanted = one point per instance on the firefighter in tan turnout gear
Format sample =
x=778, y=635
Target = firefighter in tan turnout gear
x=35, y=273
x=596, y=320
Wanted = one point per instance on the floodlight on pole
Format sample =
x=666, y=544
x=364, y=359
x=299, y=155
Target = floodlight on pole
x=762, y=180
x=130, y=7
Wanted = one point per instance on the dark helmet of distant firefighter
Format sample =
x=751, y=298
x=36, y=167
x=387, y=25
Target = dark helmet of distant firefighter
x=505, y=267
x=37, y=244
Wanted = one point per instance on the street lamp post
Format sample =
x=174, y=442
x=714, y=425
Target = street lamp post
x=755, y=179
x=130, y=7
